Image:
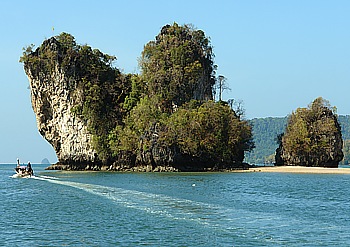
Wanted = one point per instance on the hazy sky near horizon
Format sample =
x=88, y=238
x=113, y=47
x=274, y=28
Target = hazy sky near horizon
x=277, y=55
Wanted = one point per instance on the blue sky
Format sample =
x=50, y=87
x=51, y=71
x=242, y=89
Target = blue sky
x=276, y=55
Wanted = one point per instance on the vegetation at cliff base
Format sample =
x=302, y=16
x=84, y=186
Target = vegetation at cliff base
x=312, y=137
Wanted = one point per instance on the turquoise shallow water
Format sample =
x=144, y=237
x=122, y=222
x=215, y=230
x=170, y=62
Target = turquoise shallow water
x=173, y=209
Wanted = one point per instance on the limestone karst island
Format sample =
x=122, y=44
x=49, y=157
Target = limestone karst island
x=169, y=117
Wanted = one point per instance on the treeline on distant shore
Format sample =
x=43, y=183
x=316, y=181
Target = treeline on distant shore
x=266, y=130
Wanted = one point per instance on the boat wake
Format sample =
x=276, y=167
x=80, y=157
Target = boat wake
x=20, y=176
x=32, y=176
x=162, y=205
x=216, y=217
x=45, y=177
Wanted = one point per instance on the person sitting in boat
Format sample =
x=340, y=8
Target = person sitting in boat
x=29, y=169
x=19, y=169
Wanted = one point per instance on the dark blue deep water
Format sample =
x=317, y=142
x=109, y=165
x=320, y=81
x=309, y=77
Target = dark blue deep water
x=173, y=209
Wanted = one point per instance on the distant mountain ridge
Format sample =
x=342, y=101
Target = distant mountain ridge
x=265, y=131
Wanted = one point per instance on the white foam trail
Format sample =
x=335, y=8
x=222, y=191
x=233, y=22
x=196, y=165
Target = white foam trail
x=48, y=177
x=171, y=207
x=19, y=176
x=222, y=219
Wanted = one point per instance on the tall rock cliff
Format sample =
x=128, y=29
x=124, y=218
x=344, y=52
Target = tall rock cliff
x=52, y=101
x=75, y=95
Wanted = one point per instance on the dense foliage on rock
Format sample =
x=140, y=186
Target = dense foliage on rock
x=172, y=120
x=211, y=131
x=199, y=134
x=312, y=137
x=96, y=88
x=164, y=117
x=178, y=65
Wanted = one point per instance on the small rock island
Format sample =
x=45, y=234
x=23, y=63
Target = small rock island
x=312, y=138
x=163, y=119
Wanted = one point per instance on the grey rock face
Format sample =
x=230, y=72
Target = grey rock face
x=52, y=101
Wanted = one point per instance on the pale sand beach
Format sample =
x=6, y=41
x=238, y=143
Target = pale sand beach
x=300, y=169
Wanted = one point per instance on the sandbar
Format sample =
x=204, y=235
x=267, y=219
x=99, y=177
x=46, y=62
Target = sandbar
x=300, y=169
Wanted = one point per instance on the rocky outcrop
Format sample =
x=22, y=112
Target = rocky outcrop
x=312, y=138
x=97, y=118
x=52, y=101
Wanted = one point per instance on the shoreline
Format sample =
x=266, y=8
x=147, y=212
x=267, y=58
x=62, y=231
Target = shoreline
x=270, y=169
x=299, y=169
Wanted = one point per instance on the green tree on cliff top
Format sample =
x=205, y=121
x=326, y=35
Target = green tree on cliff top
x=178, y=65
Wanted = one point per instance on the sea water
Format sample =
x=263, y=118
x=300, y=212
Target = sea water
x=56, y=208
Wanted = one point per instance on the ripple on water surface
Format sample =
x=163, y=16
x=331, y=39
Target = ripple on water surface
x=166, y=210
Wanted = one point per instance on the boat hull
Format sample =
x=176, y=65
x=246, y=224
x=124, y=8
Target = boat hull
x=21, y=172
x=17, y=175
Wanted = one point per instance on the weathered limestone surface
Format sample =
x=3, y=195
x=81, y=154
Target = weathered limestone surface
x=52, y=101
